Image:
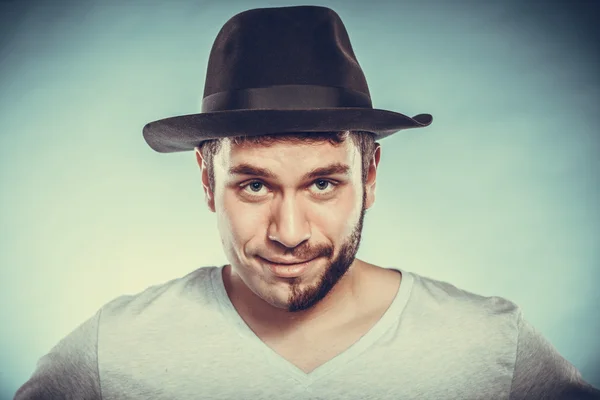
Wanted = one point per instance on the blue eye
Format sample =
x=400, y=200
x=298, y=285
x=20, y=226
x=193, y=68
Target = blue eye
x=253, y=185
x=322, y=184
x=253, y=188
x=323, y=187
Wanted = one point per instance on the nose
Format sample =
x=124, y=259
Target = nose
x=289, y=225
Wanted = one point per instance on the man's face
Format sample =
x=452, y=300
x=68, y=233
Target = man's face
x=270, y=207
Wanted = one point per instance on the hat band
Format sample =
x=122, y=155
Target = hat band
x=286, y=97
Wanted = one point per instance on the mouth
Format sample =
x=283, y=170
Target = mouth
x=288, y=269
x=287, y=262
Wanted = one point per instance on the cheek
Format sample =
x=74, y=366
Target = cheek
x=240, y=220
x=338, y=218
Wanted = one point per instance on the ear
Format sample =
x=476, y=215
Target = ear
x=208, y=193
x=372, y=176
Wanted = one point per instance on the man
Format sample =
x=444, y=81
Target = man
x=287, y=147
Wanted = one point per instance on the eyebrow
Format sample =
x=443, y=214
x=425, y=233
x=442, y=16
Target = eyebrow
x=332, y=169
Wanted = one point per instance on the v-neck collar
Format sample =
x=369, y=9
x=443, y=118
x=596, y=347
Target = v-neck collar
x=390, y=316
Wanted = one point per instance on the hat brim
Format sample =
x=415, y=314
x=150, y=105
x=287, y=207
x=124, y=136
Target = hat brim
x=185, y=132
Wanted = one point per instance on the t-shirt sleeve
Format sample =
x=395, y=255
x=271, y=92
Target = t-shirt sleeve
x=542, y=373
x=70, y=369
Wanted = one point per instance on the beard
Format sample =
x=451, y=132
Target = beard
x=303, y=299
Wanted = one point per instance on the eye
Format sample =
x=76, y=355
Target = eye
x=253, y=187
x=324, y=186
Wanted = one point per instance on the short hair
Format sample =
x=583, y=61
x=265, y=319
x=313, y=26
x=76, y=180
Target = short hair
x=364, y=142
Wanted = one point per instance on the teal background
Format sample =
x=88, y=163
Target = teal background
x=499, y=196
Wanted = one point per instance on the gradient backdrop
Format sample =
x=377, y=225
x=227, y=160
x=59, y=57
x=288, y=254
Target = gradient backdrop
x=500, y=196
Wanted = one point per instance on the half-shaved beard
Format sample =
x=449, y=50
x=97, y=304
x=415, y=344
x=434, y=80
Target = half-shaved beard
x=300, y=300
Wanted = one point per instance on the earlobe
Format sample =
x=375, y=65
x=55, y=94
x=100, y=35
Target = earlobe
x=370, y=198
x=210, y=202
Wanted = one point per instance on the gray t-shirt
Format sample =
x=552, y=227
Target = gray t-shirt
x=184, y=340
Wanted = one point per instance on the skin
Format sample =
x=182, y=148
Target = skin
x=288, y=215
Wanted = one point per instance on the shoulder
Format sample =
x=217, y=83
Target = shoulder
x=437, y=295
x=195, y=286
x=489, y=324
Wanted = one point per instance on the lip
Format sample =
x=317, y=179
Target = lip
x=281, y=261
x=288, y=270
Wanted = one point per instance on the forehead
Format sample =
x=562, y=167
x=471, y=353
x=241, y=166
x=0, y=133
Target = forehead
x=287, y=155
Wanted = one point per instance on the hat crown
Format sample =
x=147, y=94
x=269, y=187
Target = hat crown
x=302, y=45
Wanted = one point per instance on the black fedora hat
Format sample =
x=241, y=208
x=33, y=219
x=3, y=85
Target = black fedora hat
x=280, y=70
